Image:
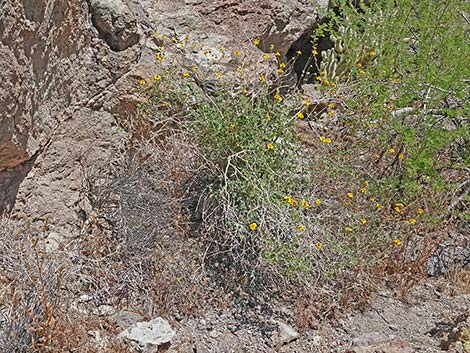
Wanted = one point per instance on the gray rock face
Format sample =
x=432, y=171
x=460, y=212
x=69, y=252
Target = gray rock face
x=149, y=334
x=115, y=22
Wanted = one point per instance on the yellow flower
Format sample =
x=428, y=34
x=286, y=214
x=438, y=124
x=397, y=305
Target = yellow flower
x=304, y=203
x=232, y=126
x=412, y=221
x=218, y=75
x=373, y=53
x=318, y=245
x=207, y=52
x=401, y=156
x=282, y=65
x=271, y=46
x=314, y=51
x=269, y=146
x=377, y=155
x=298, y=52
x=143, y=82
x=244, y=90
x=262, y=78
x=290, y=200
x=300, y=115
x=331, y=113
x=280, y=71
x=301, y=227
x=186, y=38
x=378, y=206
x=325, y=139
x=363, y=190
x=319, y=78
x=239, y=69
x=331, y=106
x=194, y=68
x=348, y=229
x=185, y=73
x=253, y=226
x=278, y=97
x=159, y=57
x=362, y=72
x=174, y=40
x=359, y=65
x=236, y=52
x=255, y=41
x=266, y=56
x=397, y=242
x=317, y=202
x=391, y=150
x=366, y=182
x=363, y=220
x=277, y=54
x=157, y=77
x=420, y=210
x=350, y=195
x=307, y=101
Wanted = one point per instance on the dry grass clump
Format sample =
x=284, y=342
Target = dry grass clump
x=35, y=308
x=143, y=254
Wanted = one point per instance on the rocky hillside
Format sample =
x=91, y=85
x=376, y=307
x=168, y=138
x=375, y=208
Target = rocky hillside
x=103, y=240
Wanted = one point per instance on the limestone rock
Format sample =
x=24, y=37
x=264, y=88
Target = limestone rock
x=149, y=334
x=285, y=335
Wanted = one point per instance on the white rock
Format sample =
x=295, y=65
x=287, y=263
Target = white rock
x=104, y=310
x=149, y=333
x=316, y=340
x=84, y=298
x=286, y=334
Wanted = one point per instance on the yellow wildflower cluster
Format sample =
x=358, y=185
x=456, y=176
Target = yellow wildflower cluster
x=290, y=200
x=324, y=139
x=323, y=79
x=281, y=68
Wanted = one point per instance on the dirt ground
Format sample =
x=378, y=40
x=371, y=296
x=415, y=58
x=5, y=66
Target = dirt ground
x=429, y=318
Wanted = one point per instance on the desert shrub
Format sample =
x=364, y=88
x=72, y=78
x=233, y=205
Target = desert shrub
x=405, y=86
x=257, y=214
x=340, y=185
